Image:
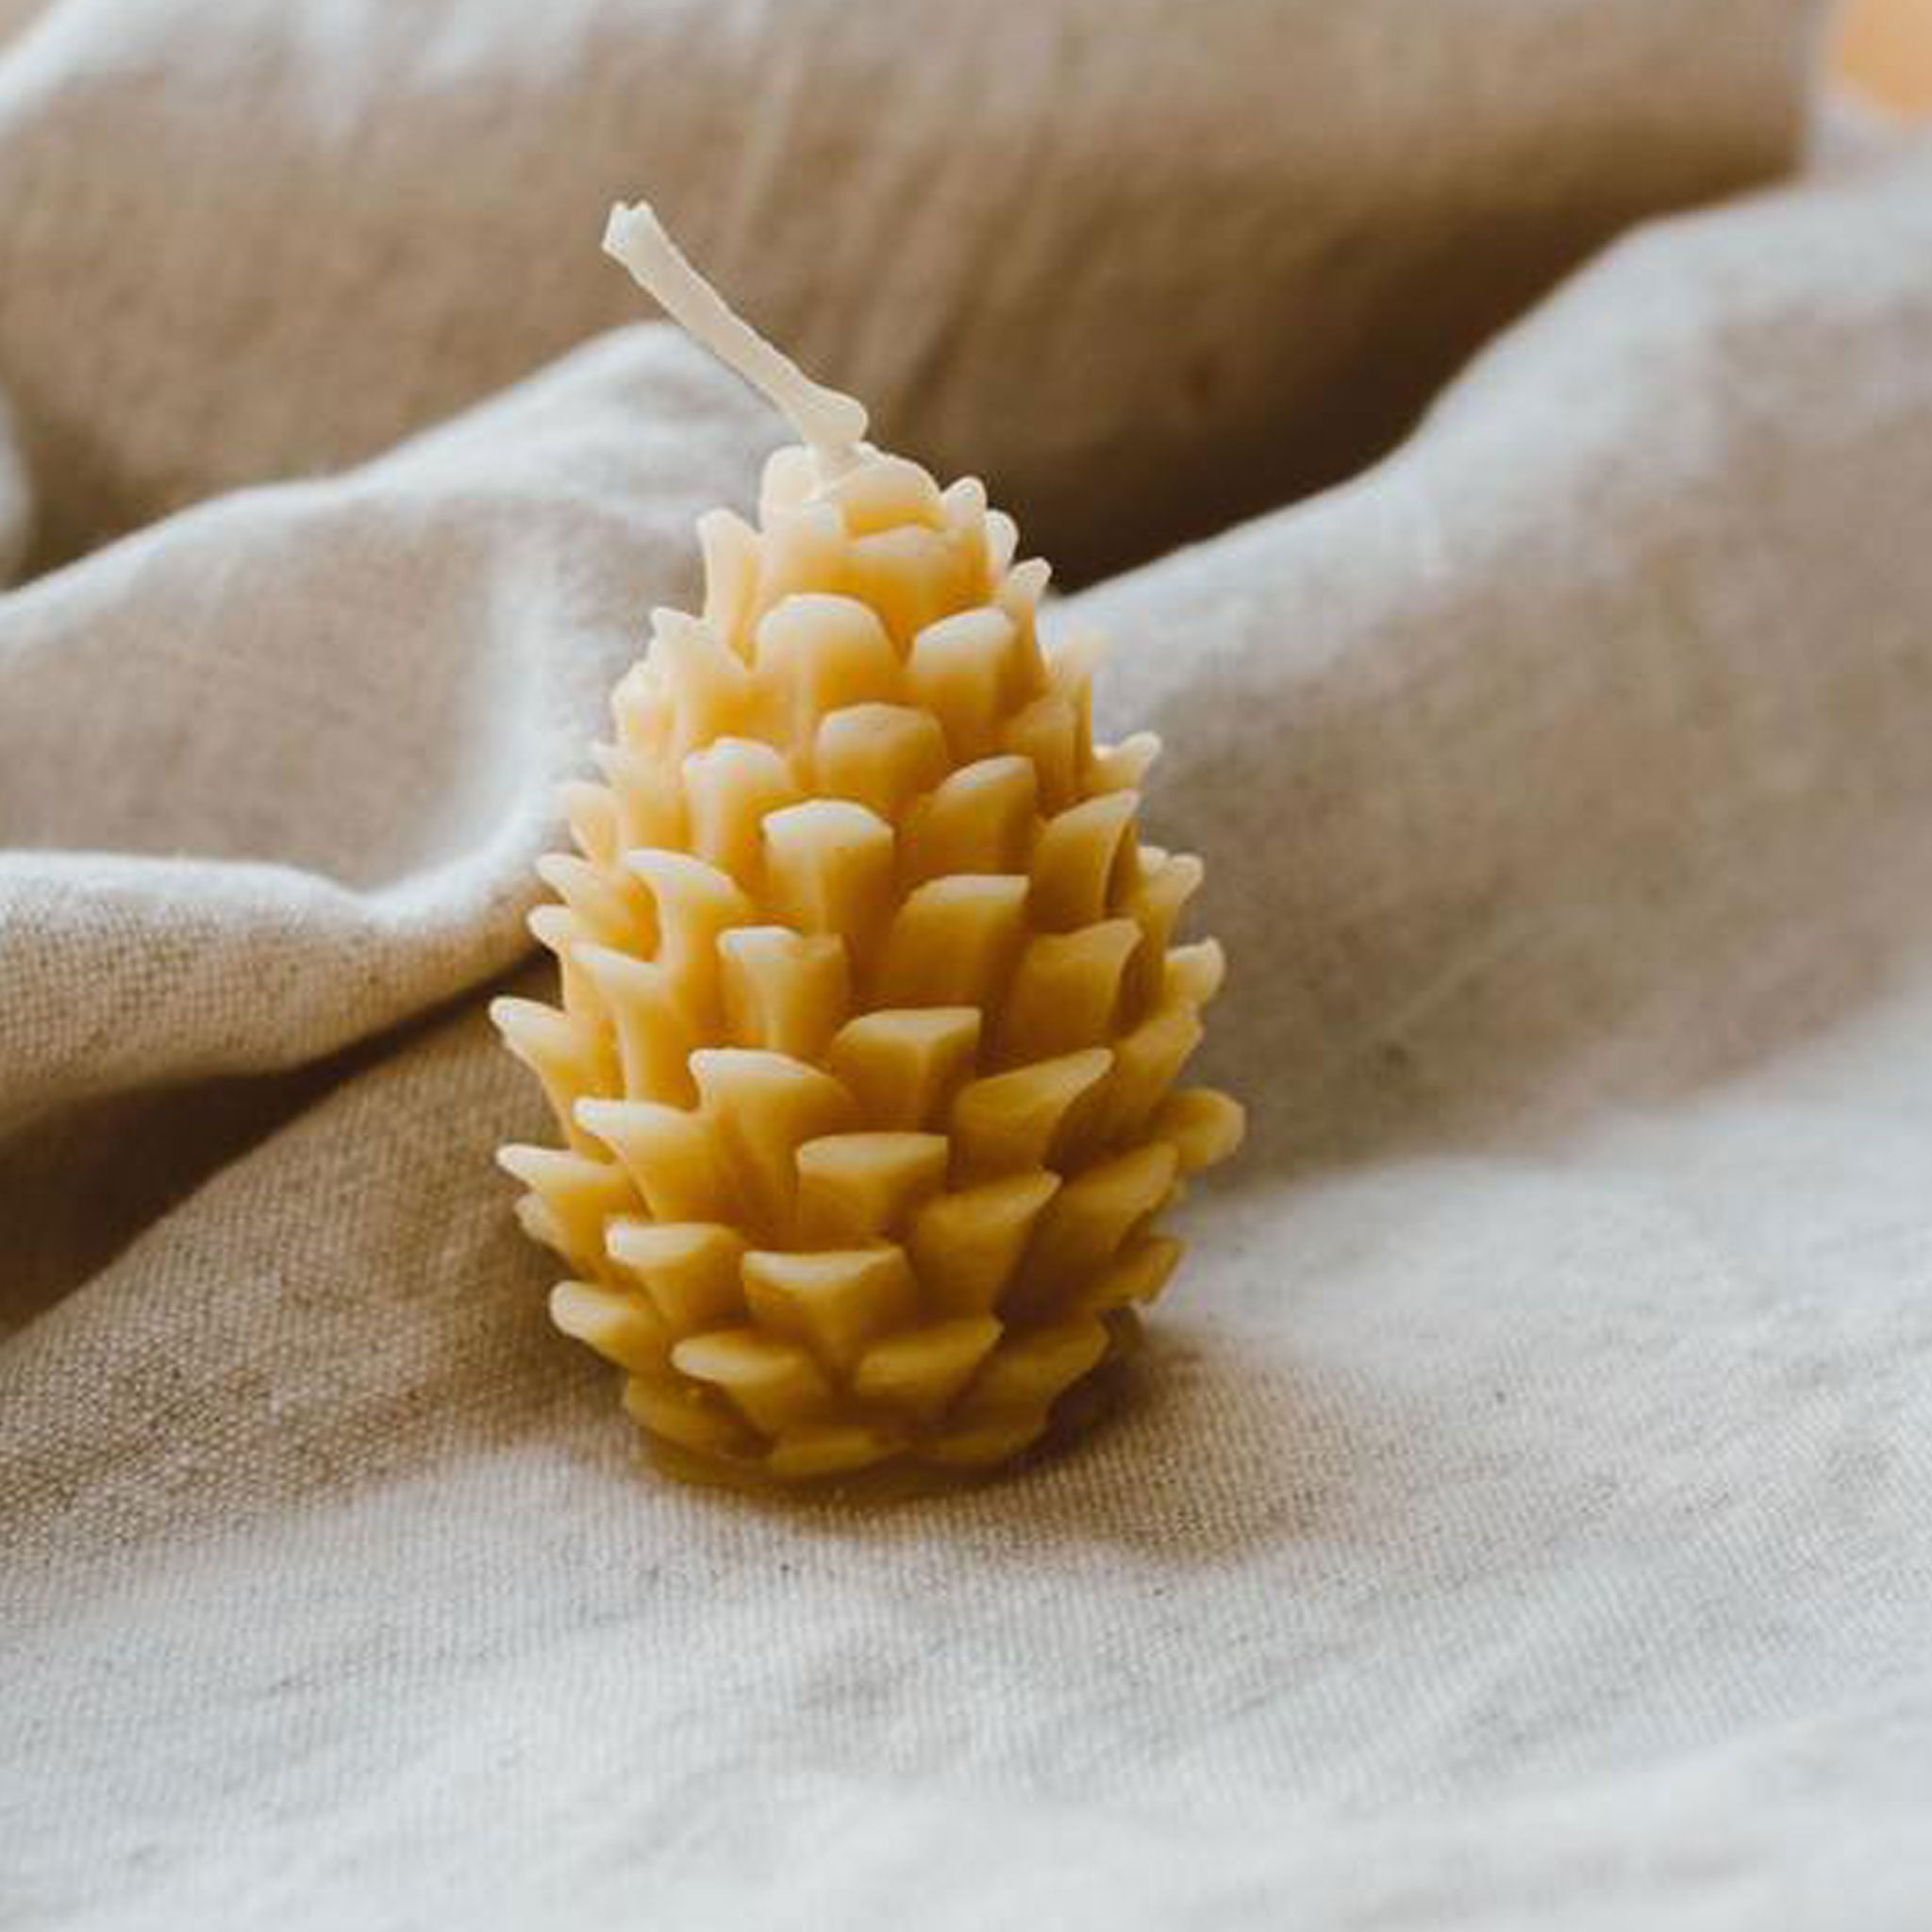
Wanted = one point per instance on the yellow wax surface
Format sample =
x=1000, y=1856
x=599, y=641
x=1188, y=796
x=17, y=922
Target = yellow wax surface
x=872, y=1013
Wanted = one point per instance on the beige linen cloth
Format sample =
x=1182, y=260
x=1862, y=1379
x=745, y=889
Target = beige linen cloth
x=1522, y=1519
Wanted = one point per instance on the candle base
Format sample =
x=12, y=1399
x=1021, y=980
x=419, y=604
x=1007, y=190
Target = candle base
x=1091, y=1405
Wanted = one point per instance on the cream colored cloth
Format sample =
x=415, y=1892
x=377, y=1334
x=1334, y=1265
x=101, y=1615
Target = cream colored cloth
x=1522, y=1517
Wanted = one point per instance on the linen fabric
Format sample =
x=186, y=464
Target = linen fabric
x=1518, y=1516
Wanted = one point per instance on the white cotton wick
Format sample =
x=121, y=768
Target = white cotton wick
x=832, y=423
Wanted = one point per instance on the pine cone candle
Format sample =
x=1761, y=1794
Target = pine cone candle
x=871, y=1013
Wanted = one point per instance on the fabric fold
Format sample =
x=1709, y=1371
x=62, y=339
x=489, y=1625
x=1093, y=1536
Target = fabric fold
x=1574, y=751
x=276, y=770
x=1144, y=268
x=16, y=501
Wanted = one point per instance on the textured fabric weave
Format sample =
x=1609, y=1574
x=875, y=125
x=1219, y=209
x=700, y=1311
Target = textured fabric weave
x=1519, y=1515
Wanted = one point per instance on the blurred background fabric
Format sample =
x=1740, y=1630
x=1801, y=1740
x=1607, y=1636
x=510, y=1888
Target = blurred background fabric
x=1498, y=438
x=1068, y=236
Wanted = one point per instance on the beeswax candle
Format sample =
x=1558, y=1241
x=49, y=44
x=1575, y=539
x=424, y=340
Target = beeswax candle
x=871, y=1006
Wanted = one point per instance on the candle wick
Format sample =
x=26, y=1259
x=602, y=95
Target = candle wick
x=831, y=423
